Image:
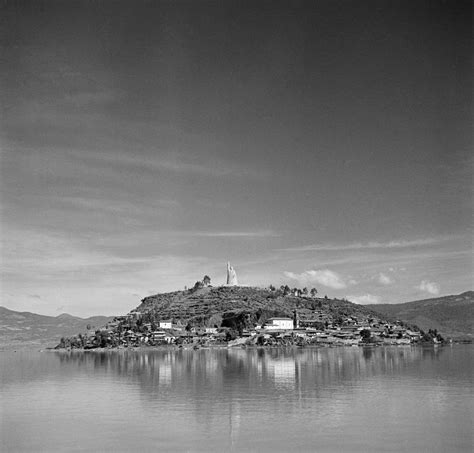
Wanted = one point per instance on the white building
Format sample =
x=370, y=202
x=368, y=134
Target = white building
x=279, y=324
x=166, y=324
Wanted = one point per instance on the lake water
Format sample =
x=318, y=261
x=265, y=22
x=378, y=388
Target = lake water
x=387, y=399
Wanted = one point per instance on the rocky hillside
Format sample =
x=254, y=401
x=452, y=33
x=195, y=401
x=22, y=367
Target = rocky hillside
x=216, y=306
x=25, y=330
x=452, y=316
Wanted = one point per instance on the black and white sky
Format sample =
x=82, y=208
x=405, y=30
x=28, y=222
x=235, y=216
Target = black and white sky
x=317, y=143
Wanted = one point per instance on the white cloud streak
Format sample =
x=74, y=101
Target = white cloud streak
x=366, y=246
x=229, y=234
x=165, y=163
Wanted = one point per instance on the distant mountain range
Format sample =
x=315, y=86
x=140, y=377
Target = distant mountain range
x=452, y=316
x=24, y=329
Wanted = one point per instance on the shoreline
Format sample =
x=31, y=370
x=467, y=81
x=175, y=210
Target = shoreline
x=252, y=347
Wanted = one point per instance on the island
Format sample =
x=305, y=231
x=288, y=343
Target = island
x=231, y=315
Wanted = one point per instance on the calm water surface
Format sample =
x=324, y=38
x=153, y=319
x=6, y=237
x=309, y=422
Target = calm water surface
x=330, y=400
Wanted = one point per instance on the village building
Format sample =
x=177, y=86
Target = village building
x=279, y=323
x=166, y=324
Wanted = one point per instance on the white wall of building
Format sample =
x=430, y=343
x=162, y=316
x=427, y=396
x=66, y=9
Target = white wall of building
x=279, y=323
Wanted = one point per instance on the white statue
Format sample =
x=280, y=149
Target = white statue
x=231, y=276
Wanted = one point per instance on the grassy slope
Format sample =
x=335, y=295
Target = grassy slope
x=208, y=306
x=453, y=316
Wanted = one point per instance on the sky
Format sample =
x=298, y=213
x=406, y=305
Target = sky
x=144, y=144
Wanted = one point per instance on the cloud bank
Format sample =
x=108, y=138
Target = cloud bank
x=324, y=277
x=429, y=287
x=364, y=300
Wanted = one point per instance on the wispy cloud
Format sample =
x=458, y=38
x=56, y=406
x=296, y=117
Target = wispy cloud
x=231, y=234
x=364, y=299
x=384, y=279
x=167, y=161
x=117, y=206
x=429, y=287
x=367, y=245
x=323, y=277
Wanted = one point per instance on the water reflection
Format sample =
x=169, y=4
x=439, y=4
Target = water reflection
x=211, y=371
x=242, y=399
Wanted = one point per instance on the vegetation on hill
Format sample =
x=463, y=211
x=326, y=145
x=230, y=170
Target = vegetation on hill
x=241, y=307
x=452, y=316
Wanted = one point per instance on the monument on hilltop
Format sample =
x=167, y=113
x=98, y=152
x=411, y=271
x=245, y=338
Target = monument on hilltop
x=231, y=276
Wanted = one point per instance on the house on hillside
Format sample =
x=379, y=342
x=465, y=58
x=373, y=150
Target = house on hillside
x=162, y=337
x=166, y=324
x=279, y=324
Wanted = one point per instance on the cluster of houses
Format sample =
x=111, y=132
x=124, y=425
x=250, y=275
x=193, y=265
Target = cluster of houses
x=351, y=332
x=132, y=331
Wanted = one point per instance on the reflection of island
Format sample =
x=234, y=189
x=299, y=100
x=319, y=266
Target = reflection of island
x=212, y=382
x=221, y=371
x=282, y=370
x=250, y=400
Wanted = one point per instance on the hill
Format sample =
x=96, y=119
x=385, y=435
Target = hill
x=452, y=316
x=206, y=315
x=28, y=330
x=216, y=306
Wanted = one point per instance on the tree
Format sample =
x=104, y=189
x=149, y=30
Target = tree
x=365, y=334
x=206, y=280
x=305, y=291
x=313, y=292
x=230, y=335
x=198, y=285
x=101, y=338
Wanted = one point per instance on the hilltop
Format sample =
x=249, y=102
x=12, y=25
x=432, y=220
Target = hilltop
x=451, y=315
x=25, y=329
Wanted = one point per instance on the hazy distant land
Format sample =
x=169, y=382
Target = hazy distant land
x=453, y=316
x=28, y=330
